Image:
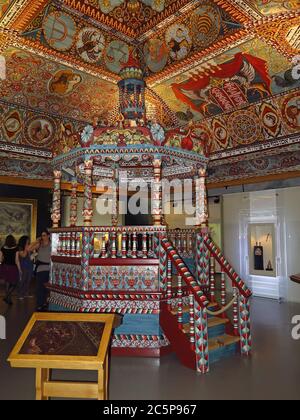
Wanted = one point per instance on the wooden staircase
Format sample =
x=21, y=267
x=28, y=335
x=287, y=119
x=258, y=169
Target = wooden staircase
x=201, y=333
x=222, y=341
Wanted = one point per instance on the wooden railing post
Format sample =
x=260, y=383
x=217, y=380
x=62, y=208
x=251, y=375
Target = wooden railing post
x=124, y=245
x=145, y=248
x=202, y=261
x=201, y=342
x=103, y=250
x=134, y=245
x=180, y=302
x=169, y=284
x=212, y=280
x=236, y=312
x=192, y=321
x=223, y=288
x=245, y=326
x=113, y=245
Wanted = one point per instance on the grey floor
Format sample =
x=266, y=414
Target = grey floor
x=273, y=372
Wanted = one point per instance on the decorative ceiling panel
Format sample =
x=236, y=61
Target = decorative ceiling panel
x=38, y=83
x=272, y=7
x=234, y=80
x=76, y=39
x=196, y=31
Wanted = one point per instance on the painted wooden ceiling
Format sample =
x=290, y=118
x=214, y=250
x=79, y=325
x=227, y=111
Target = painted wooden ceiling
x=223, y=67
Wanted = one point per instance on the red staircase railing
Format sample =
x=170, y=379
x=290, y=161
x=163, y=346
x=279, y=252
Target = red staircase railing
x=198, y=300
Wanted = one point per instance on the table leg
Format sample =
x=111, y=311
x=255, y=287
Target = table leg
x=106, y=379
x=42, y=376
x=101, y=384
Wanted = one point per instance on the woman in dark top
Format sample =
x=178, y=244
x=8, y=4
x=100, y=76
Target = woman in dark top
x=25, y=266
x=10, y=270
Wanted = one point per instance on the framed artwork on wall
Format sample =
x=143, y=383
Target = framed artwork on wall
x=18, y=217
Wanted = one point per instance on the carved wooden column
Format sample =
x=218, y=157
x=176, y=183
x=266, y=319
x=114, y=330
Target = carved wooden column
x=74, y=204
x=201, y=199
x=157, y=193
x=88, y=194
x=115, y=202
x=56, y=206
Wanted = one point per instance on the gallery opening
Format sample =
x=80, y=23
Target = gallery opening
x=149, y=201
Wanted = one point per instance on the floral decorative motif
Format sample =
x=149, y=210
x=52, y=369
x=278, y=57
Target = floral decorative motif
x=87, y=136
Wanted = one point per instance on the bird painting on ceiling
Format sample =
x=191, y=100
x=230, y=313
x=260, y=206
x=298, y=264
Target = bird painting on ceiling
x=234, y=84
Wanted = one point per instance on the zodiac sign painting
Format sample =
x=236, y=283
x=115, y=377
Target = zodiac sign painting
x=179, y=41
x=40, y=132
x=116, y=55
x=268, y=7
x=205, y=25
x=90, y=45
x=291, y=110
x=59, y=30
x=270, y=119
x=236, y=83
x=12, y=125
x=64, y=82
x=156, y=54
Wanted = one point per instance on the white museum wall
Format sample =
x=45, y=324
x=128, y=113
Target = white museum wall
x=280, y=207
x=289, y=200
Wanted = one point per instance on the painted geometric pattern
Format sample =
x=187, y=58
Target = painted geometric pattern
x=201, y=339
x=245, y=331
x=25, y=169
x=203, y=258
x=260, y=164
x=140, y=341
x=142, y=307
x=131, y=278
x=67, y=275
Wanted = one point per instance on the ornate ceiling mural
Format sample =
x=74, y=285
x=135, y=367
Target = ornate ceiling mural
x=220, y=74
x=196, y=31
x=71, y=36
x=234, y=80
x=40, y=84
x=130, y=17
x=271, y=7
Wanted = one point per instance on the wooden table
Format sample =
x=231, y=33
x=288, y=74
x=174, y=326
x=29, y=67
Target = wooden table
x=295, y=278
x=67, y=342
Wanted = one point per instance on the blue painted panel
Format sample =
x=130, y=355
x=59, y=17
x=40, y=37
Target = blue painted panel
x=222, y=353
x=140, y=324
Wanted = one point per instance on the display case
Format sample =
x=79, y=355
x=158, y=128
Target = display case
x=262, y=245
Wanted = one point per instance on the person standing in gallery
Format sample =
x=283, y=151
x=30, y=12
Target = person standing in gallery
x=43, y=248
x=25, y=266
x=10, y=273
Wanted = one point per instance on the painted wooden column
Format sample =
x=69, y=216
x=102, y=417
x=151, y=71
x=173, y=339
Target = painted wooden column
x=201, y=338
x=245, y=325
x=115, y=202
x=56, y=206
x=201, y=199
x=74, y=204
x=202, y=253
x=88, y=195
x=157, y=193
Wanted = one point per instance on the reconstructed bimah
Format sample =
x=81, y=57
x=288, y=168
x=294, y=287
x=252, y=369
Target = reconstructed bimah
x=161, y=280
x=66, y=342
